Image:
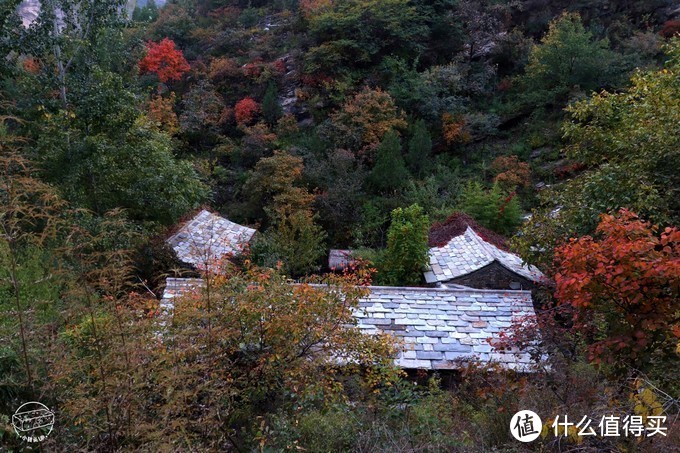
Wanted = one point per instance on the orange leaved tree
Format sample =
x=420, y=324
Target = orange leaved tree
x=245, y=110
x=272, y=346
x=215, y=371
x=623, y=285
x=366, y=117
x=164, y=60
x=511, y=172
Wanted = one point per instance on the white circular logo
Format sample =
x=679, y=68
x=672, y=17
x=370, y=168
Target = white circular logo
x=33, y=422
x=526, y=426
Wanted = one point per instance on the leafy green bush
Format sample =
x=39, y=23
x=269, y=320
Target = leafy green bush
x=405, y=417
x=419, y=149
x=567, y=57
x=407, y=250
x=493, y=208
x=359, y=32
x=295, y=244
x=389, y=173
x=249, y=17
x=332, y=430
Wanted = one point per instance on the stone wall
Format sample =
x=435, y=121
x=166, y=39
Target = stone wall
x=494, y=276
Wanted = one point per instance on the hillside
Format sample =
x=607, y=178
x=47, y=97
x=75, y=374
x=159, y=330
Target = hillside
x=353, y=225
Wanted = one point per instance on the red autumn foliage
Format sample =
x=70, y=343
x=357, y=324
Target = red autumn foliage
x=253, y=69
x=624, y=287
x=442, y=232
x=505, y=84
x=359, y=271
x=315, y=80
x=670, y=28
x=245, y=110
x=164, y=60
x=555, y=334
x=566, y=171
x=511, y=172
x=279, y=66
x=505, y=203
x=31, y=65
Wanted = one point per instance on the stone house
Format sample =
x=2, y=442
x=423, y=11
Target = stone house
x=465, y=253
x=207, y=239
x=339, y=259
x=437, y=327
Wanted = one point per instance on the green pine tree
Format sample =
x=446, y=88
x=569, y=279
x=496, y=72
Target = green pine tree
x=389, y=173
x=419, y=149
x=494, y=209
x=271, y=109
x=407, y=250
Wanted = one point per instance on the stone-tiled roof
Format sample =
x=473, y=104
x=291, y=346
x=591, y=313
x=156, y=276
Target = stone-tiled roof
x=207, y=238
x=437, y=325
x=442, y=325
x=467, y=253
x=177, y=287
x=339, y=259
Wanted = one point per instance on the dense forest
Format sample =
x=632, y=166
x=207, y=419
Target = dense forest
x=348, y=124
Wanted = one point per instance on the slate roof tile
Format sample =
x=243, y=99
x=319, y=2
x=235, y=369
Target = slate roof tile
x=438, y=333
x=177, y=287
x=467, y=253
x=207, y=238
x=339, y=259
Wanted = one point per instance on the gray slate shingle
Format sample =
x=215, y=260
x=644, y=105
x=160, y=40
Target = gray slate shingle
x=450, y=324
x=339, y=259
x=207, y=238
x=467, y=253
x=177, y=287
x=437, y=326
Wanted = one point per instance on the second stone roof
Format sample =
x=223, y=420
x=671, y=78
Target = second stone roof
x=468, y=252
x=208, y=238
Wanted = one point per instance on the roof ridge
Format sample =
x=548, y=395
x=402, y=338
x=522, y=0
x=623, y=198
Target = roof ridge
x=495, y=253
x=501, y=257
x=448, y=290
x=207, y=237
x=391, y=288
x=486, y=246
x=436, y=327
x=470, y=251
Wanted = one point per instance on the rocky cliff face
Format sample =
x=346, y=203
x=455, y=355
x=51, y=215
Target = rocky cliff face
x=142, y=3
x=28, y=11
